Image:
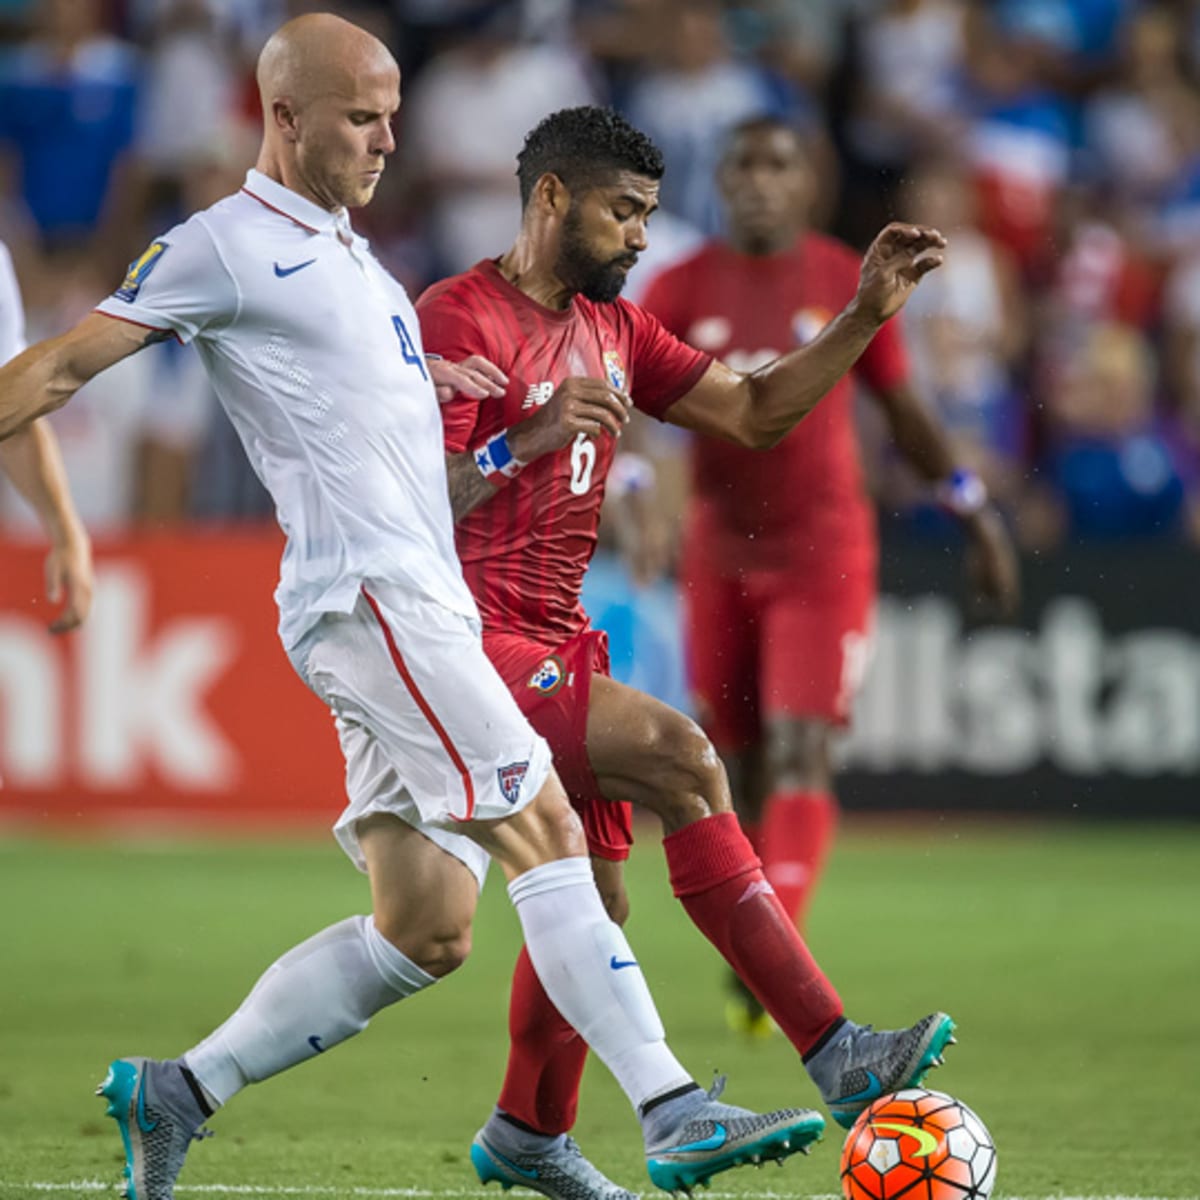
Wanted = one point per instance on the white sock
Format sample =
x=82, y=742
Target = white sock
x=318, y=994
x=578, y=955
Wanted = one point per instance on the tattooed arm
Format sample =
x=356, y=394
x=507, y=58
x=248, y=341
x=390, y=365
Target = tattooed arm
x=468, y=488
x=48, y=374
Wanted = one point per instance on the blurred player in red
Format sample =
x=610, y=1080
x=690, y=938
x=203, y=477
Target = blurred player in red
x=778, y=568
x=527, y=472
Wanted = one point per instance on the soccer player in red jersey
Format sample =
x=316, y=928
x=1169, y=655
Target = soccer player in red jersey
x=526, y=475
x=778, y=569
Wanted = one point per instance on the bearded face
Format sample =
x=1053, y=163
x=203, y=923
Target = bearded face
x=584, y=268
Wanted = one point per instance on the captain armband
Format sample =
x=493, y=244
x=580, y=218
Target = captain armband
x=496, y=461
x=963, y=494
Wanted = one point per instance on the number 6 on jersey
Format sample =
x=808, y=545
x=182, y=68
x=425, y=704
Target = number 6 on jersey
x=583, y=462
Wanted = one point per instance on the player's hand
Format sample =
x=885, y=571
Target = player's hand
x=69, y=581
x=579, y=405
x=474, y=377
x=992, y=563
x=896, y=261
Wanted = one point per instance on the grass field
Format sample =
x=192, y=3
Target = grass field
x=1069, y=957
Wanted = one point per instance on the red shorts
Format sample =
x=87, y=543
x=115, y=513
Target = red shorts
x=551, y=685
x=775, y=643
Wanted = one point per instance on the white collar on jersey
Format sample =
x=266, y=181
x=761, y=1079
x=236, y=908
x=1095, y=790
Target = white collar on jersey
x=296, y=208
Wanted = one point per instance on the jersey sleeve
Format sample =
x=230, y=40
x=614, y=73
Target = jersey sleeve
x=12, y=314
x=662, y=300
x=884, y=363
x=664, y=368
x=179, y=285
x=448, y=328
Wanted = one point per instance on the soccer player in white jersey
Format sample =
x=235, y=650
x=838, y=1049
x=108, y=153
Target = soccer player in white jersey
x=315, y=352
x=34, y=466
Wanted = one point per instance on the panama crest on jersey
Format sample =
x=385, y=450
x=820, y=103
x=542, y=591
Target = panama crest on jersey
x=808, y=322
x=614, y=368
x=510, y=779
x=549, y=676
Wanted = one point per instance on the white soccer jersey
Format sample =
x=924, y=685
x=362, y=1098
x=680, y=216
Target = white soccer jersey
x=315, y=353
x=12, y=315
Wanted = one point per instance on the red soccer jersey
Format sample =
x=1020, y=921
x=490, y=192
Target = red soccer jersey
x=802, y=502
x=524, y=551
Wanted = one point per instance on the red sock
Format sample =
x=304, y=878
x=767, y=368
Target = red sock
x=545, y=1057
x=798, y=830
x=719, y=880
x=753, y=831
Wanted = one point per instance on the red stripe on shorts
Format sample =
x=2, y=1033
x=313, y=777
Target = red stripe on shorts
x=423, y=705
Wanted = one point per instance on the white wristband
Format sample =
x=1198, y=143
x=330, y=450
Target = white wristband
x=963, y=494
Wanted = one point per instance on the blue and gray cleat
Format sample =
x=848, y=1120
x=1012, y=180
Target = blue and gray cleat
x=562, y=1173
x=717, y=1137
x=158, y=1116
x=859, y=1067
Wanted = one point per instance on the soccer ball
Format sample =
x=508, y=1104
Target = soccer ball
x=918, y=1145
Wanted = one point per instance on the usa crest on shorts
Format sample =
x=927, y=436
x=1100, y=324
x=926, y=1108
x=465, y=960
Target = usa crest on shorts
x=614, y=368
x=510, y=779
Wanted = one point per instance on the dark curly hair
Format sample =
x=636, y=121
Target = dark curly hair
x=584, y=146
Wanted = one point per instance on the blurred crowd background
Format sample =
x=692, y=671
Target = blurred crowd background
x=1056, y=142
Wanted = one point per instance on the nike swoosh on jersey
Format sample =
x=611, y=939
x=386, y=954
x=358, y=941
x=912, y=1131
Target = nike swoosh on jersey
x=284, y=272
x=617, y=963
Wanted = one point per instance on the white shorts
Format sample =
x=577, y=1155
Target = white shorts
x=429, y=731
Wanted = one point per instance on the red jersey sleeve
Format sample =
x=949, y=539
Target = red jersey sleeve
x=662, y=299
x=884, y=363
x=448, y=328
x=664, y=368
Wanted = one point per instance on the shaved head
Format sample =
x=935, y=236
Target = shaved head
x=329, y=92
x=317, y=55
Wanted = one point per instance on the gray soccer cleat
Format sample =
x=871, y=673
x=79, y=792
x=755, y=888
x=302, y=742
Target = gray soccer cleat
x=858, y=1068
x=716, y=1137
x=159, y=1117
x=561, y=1173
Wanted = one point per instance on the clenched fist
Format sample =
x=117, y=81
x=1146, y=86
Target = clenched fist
x=579, y=405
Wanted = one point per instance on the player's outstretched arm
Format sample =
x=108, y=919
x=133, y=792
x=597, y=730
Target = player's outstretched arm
x=919, y=436
x=759, y=409
x=33, y=463
x=49, y=373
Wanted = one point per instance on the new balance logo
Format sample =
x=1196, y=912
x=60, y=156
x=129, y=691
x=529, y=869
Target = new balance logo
x=538, y=394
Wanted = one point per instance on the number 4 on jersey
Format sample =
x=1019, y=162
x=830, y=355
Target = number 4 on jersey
x=407, y=349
